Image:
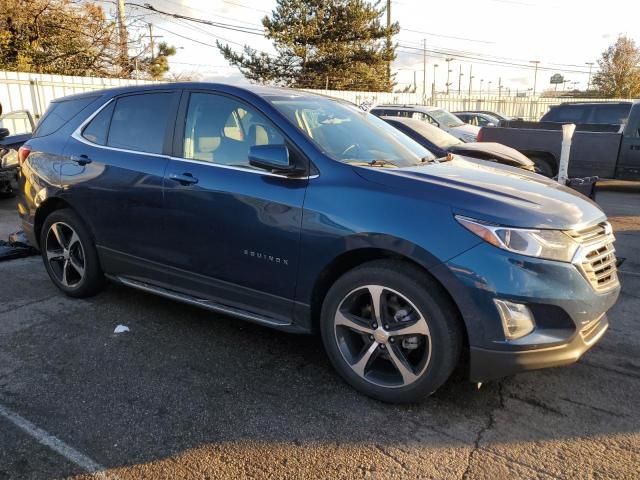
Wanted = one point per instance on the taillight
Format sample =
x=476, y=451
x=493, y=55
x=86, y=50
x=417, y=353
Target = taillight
x=480, y=135
x=23, y=153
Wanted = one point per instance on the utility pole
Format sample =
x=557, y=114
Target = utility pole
x=460, y=81
x=535, y=75
x=470, y=80
x=424, y=71
x=389, y=42
x=415, y=81
x=499, y=89
x=122, y=38
x=433, y=85
x=589, y=81
x=151, y=43
x=448, y=60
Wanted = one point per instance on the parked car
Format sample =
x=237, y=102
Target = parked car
x=15, y=129
x=440, y=143
x=596, y=150
x=432, y=115
x=500, y=116
x=594, y=113
x=297, y=212
x=478, y=119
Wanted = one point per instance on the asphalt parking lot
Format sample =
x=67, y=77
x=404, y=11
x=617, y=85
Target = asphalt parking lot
x=186, y=394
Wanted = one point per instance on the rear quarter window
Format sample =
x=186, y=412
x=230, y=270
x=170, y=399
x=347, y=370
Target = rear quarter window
x=59, y=113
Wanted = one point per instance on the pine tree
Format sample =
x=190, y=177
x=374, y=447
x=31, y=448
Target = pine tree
x=341, y=44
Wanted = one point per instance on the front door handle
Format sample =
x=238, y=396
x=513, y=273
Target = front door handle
x=81, y=160
x=184, y=178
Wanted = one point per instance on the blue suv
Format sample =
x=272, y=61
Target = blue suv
x=305, y=214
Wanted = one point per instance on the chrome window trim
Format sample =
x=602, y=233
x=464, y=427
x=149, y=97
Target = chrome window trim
x=77, y=135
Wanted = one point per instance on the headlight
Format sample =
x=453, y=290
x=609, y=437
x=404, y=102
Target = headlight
x=549, y=244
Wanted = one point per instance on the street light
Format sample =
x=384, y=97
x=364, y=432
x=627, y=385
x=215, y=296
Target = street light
x=489, y=87
x=433, y=85
x=481, y=81
x=448, y=60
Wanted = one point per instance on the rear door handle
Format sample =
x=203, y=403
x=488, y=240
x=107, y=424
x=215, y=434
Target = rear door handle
x=81, y=160
x=184, y=178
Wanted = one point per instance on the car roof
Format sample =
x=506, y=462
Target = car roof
x=413, y=123
x=259, y=90
x=424, y=108
x=564, y=104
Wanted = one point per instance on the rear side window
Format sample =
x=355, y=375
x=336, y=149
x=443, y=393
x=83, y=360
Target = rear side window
x=59, y=113
x=98, y=128
x=568, y=113
x=614, y=114
x=139, y=122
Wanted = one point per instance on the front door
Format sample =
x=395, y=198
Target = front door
x=233, y=230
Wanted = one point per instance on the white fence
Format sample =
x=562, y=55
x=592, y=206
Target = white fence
x=33, y=92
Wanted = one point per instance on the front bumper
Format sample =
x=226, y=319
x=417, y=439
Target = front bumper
x=569, y=314
x=488, y=364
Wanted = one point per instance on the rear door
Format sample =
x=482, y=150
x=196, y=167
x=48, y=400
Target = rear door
x=233, y=229
x=113, y=173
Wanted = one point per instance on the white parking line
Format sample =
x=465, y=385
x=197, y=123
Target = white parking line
x=54, y=443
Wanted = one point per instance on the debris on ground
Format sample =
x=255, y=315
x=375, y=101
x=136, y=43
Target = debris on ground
x=17, y=246
x=121, y=329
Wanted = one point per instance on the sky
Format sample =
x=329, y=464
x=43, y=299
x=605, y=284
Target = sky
x=562, y=34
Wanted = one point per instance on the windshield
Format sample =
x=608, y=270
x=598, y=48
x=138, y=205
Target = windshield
x=445, y=119
x=346, y=133
x=407, y=141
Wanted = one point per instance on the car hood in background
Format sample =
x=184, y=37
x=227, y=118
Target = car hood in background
x=461, y=130
x=503, y=195
x=495, y=150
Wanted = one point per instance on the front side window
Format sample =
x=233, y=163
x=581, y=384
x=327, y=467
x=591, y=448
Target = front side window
x=615, y=114
x=139, y=122
x=445, y=119
x=221, y=130
x=424, y=117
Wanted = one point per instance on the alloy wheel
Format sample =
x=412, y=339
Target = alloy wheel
x=383, y=336
x=65, y=254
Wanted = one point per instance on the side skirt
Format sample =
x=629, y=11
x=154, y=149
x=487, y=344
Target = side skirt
x=208, y=304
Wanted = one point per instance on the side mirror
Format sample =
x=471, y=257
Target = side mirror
x=490, y=124
x=4, y=133
x=274, y=158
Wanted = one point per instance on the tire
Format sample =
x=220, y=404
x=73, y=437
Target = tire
x=69, y=254
x=543, y=167
x=426, y=357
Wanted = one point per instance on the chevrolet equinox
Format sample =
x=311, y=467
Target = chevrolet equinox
x=306, y=214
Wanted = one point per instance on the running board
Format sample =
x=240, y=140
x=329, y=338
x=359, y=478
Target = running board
x=201, y=302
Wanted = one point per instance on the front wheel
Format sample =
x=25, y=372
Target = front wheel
x=391, y=331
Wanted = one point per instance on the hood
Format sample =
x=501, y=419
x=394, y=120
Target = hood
x=465, y=129
x=503, y=195
x=493, y=150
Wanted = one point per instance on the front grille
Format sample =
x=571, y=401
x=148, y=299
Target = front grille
x=596, y=257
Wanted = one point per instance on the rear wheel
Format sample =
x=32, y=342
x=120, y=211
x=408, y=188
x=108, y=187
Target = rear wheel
x=69, y=255
x=390, y=331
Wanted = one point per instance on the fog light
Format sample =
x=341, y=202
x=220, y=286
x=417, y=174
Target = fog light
x=517, y=320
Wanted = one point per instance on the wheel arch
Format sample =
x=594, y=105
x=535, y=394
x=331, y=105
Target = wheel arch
x=353, y=258
x=46, y=208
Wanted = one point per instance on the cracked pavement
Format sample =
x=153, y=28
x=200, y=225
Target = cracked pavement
x=188, y=394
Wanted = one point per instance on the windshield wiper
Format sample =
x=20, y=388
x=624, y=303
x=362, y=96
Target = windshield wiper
x=380, y=163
